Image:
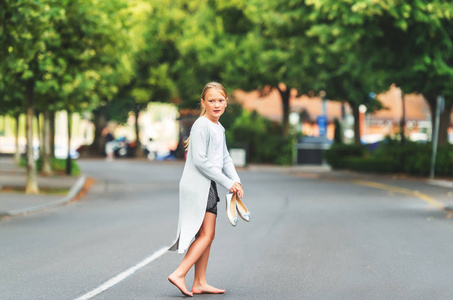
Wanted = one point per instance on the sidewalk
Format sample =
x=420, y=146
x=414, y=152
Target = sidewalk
x=18, y=203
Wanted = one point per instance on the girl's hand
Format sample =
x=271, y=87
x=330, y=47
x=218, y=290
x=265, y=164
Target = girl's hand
x=237, y=188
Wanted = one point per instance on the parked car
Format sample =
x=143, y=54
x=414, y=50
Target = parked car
x=123, y=148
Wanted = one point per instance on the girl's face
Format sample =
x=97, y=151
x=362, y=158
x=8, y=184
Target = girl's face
x=214, y=103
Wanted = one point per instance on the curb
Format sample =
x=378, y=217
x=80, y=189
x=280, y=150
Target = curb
x=75, y=189
x=442, y=183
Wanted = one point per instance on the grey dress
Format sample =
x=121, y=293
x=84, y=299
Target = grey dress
x=196, y=179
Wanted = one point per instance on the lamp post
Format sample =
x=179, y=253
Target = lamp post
x=439, y=109
x=362, y=120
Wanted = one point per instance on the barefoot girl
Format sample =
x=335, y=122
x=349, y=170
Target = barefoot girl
x=208, y=162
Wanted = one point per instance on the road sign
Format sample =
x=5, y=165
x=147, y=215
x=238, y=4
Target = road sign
x=322, y=125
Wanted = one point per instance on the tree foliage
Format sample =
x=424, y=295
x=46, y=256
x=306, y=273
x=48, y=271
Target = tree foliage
x=385, y=42
x=59, y=55
x=80, y=55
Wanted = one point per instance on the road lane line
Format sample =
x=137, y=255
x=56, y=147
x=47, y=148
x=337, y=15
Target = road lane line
x=431, y=201
x=120, y=277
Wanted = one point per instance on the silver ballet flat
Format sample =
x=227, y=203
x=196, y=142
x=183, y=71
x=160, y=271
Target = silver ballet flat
x=242, y=210
x=232, y=217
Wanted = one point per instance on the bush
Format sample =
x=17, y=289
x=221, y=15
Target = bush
x=57, y=165
x=415, y=158
x=444, y=161
x=391, y=157
x=337, y=155
x=232, y=112
x=261, y=138
x=370, y=164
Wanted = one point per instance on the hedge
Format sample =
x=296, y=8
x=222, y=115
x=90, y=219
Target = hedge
x=390, y=157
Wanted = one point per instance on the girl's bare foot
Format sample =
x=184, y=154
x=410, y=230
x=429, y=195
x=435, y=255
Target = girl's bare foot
x=206, y=289
x=179, y=282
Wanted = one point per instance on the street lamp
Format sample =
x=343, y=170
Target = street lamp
x=362, y=108
x=362, y=121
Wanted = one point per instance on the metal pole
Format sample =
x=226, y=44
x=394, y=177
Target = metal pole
x=68, y=159
x=439, y=104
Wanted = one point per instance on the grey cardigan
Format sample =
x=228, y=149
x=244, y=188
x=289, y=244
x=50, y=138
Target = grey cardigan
x=195, y=181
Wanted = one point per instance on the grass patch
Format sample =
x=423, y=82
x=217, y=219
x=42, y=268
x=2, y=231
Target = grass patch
x=42, y=190
x=58, y=165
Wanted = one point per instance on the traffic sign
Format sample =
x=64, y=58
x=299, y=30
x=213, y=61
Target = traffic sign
x=322, y=125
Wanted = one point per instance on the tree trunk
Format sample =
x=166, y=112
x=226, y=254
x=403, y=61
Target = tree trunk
x=68, y=159
x=138, y=145
x=403, y=119
x=100, y=121
x=444, y=121
x=5, y=121
x=46, y=167
x=356, y=114
x=338, y=136
x=40, y=134
x=31, y=186
x=17, y=154
x=52, y=133
x=284, y=94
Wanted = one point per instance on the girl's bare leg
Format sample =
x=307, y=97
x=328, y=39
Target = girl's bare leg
x=196, y=250
x=200, y=286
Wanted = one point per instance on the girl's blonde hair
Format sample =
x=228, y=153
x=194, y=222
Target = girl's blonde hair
x=212, y=85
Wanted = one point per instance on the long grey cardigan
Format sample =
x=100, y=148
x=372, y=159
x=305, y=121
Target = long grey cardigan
x=196, y=180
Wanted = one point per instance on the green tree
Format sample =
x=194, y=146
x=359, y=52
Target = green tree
x=246, y=45
x=407, y=43
x=65, y=54
x=115, y=51
x=93, y=40
x=267, y=47
x=12, y=104
x=342, y=61
x=150, y=60
x=417, y=50
x=25, y=23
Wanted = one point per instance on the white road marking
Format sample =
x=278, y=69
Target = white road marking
x=120, y=277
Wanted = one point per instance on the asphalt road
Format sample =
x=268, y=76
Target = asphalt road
x=309, y=238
